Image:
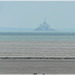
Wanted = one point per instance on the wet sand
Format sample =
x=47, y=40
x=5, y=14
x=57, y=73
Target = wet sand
x=30, y=66
x=37, y=48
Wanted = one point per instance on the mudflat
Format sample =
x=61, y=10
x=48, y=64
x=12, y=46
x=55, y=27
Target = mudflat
x=37, y=48
x=30, y=66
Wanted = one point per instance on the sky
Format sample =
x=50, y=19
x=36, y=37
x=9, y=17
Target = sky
x=60, y=15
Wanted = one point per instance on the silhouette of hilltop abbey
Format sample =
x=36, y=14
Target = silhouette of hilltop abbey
x=44, y=27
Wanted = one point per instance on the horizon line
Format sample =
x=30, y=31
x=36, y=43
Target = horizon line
x=37, y=0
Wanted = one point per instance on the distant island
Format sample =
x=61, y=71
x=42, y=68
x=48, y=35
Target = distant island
x=44, y=27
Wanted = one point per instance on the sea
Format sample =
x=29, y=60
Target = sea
x=35, y=36
x=37, y=44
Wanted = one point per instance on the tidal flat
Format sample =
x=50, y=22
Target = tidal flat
x=38, y=48
x=40, y=66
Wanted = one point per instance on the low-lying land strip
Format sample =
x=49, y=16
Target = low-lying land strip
x=37, y=57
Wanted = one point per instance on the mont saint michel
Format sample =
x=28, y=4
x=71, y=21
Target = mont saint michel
x=44, y=27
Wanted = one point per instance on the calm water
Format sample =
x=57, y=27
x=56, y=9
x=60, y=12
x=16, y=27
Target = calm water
x=42, y=36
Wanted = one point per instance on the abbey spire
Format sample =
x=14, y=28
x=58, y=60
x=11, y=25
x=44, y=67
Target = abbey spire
x=44, y=27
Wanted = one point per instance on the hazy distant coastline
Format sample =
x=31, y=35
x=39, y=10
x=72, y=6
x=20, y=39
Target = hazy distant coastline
x=16, y=29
